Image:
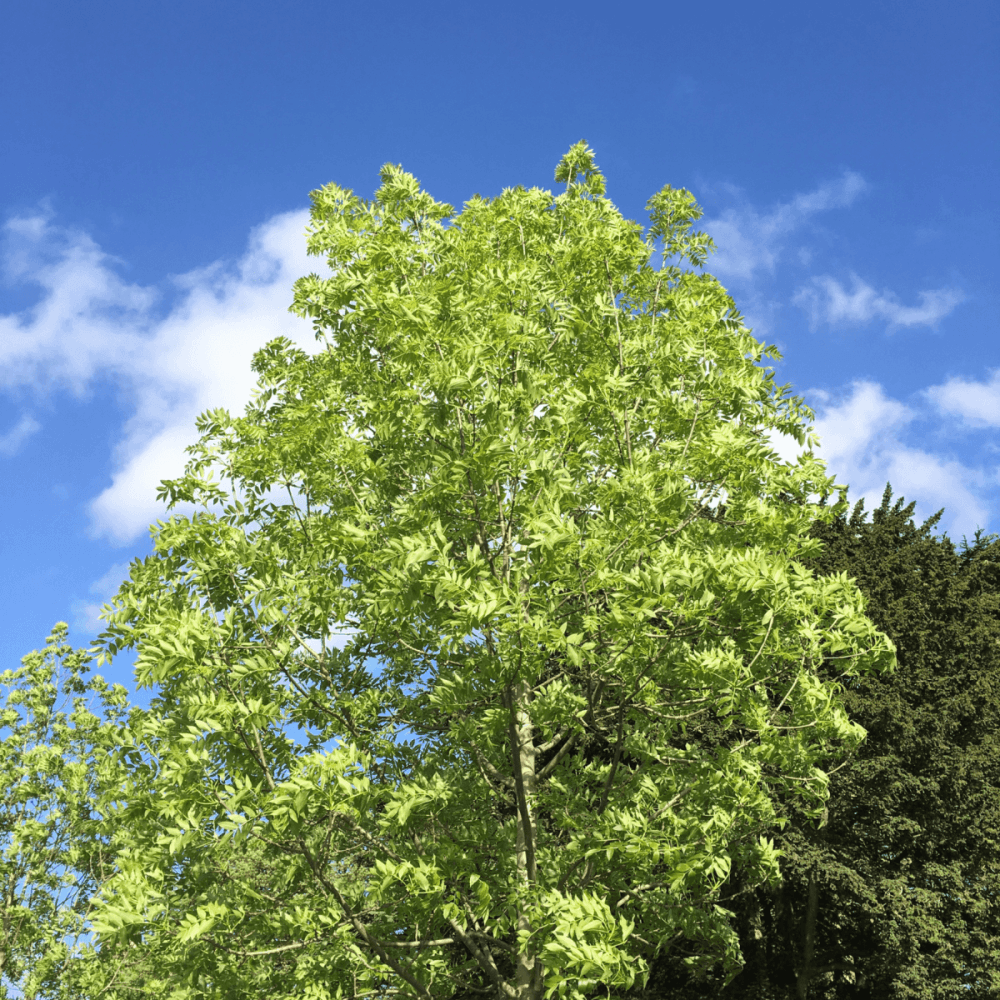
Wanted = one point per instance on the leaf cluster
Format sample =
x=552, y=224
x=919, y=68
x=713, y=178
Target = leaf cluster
x=57, y=762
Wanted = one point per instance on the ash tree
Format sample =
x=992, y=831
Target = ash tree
x=455, y=588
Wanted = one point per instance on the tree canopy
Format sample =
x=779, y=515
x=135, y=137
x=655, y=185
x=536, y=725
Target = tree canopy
x=460, y=589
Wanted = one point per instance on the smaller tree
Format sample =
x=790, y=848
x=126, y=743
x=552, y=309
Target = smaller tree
x=55, y=766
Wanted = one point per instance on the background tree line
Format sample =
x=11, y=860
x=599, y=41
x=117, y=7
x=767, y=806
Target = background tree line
x=504, y=658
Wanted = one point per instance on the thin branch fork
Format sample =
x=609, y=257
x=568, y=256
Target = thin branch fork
x=359, y=928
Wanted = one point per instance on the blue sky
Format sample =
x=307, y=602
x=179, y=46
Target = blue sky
x=155, y=163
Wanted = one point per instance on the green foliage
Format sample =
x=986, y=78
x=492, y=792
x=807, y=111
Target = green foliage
x=56, y=766
x=897, y=893
x=461, y=588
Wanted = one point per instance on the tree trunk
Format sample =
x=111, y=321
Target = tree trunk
x=808, y=940
x=529, y=973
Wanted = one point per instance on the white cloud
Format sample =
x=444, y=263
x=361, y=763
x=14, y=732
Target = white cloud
x=10, y=443
x=750, y=240
x=862, y=441
x=86, y=613
x=977, y=403
x=859, y=423
x=827, y=301
x=86, y=316
x=90, y=323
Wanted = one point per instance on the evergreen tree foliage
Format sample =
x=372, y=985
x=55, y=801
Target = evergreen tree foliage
x=896, y=892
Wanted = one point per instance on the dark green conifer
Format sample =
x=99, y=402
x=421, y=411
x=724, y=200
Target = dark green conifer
x=897, y=893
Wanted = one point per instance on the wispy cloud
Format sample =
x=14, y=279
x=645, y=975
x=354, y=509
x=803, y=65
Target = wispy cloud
x=11, y=441
x=86, y=316
x=867, y=437
x=89, y=322
x=750, y=240
x=977, y=404
x=828, y=301
x=86, y=613
x=863, y=440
